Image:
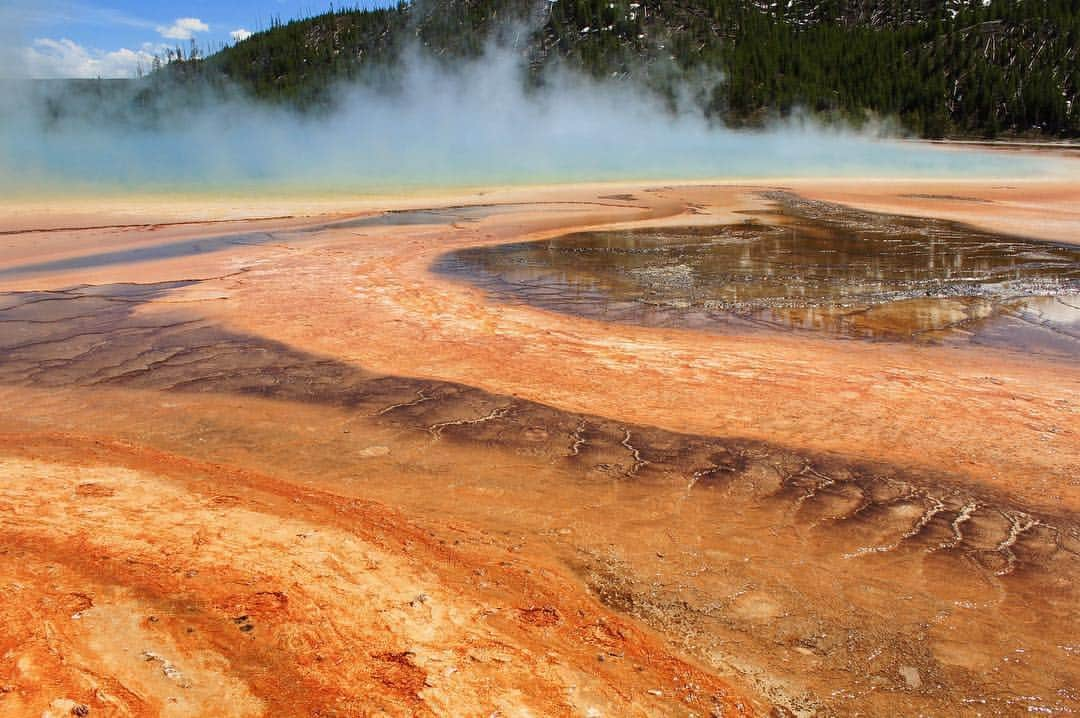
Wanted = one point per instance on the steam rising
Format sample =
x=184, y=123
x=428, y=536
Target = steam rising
x=472, y=125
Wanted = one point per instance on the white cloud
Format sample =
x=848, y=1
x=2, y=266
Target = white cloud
x=183, y=28
x=240, y=34
x=49, y=58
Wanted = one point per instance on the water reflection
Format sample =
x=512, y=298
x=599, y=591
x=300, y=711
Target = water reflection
x=802, y=266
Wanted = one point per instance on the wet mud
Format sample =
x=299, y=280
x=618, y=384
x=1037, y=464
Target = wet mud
x=803, y=266
x=170, y=250
x=882, y=587
x=439, y=216
x=190, y=248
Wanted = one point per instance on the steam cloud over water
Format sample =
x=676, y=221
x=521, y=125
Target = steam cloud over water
x=475, y=124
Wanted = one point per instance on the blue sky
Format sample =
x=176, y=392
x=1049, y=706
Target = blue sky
x=84, y=38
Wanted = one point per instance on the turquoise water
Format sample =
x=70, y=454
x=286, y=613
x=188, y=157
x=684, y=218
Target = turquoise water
x=264, y=160
x=469, y=129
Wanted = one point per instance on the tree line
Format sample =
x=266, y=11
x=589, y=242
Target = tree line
x=938, y=67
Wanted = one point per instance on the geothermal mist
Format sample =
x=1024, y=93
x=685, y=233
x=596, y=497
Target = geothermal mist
x=471, y=125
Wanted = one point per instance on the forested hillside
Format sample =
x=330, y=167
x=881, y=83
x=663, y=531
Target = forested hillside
x=940, y=67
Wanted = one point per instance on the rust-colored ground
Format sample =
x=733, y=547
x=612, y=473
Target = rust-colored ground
x=142, y=583
x=317, y=479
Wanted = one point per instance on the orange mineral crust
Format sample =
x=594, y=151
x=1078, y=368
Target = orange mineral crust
x=337, y=457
